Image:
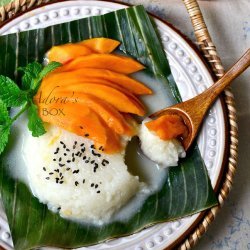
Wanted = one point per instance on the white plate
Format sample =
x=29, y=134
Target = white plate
x=191, y=76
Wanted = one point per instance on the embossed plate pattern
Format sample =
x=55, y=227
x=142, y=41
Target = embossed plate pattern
x=192, y=78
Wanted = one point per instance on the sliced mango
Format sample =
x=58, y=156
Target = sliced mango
x=101, y=44
x=116, y=63
x=82, y=121
x=168, y=127
x=67, y=52
x=107, y=112
x=97, y=76
x=51, y=88
x=118, y=99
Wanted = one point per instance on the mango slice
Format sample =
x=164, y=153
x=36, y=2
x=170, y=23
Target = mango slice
x=67, y=52
x=101, y=44
x=168, y=127
x=119, y=64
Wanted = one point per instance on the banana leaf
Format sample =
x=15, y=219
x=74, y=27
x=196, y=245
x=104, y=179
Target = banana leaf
x=186, y=190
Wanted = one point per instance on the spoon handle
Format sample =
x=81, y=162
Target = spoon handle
x=240, y=66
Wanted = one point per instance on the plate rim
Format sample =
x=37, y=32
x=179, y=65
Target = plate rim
x=201, y=215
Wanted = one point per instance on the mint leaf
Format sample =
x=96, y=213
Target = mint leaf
x=5, y=122
x=35, y=123
x=49, y=68
x=46, y=70
x=4, y=114
x=10, y=93
x=4, y=137
x=31, y=72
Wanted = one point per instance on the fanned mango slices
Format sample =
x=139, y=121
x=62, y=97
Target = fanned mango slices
x=68, y=52
x=116, y=63
x=111, y=95
x=100, y=76
x=93, y=92
x=83, y=121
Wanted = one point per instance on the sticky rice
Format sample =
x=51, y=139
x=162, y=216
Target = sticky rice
x=165, y=153
x=73, y=178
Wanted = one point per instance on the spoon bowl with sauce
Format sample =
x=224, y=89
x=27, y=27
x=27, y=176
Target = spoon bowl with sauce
x=194, y=110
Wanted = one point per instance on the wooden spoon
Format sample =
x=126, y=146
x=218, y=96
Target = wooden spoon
x=194, y=110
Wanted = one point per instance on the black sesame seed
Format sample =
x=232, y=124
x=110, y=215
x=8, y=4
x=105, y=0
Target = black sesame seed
x=82, y=145
x=47, y=178
x=98, y=192
x=83, y=150
x=100, y=148
x=75, y=142
x=64, y=146
x=55, y=152
x=95, y=154
x=96, y=165
x=61, y=165
x=44, y=168
x=80, y=155
x=77, y=154
x=96, y=185
x=67, y=150
x=67, y=169
x=60, y=174
x=68, y=161
x=74, y=147
x=62, y=142
x=59, y=208
x=73, y=154
x=76, y=171
x=84, y=157
x=76, y=183
x=56, y=170
x=54, y=159
x=92, y=146
x=73, y=159
x=62, y=177
x=105, y=162
x=51, y=173
x=83, y=181
x=92, y=162
x=60, y=159
x=92, y=184
x=86, y=135
x=61, y=182
x=57, y=179
x=65, y=154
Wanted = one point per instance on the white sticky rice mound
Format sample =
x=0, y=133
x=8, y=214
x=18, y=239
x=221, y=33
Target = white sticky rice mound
x=164, y=153
x=86, y=195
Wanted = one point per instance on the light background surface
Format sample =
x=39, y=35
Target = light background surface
x=229, y=25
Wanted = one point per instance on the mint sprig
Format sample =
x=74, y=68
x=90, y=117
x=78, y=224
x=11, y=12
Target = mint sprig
x=35, y=123
x=5, y=122
x=10, y=93
x=13, y=96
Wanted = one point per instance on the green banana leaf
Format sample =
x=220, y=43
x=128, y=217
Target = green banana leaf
x=187, y=189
